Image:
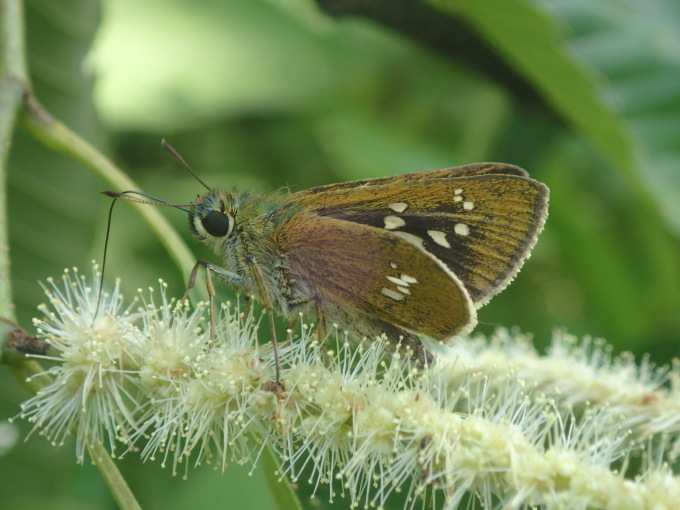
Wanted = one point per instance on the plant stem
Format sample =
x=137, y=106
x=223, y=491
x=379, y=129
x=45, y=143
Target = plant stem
x=283, y=492
x=13, y=83
x=114, y=480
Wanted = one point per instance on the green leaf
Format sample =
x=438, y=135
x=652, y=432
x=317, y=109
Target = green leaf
x=532, y=43
x=636, y=46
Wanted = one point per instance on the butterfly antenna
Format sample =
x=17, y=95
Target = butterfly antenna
x=125, y=195
x=151, y=200
x=181, y=161
x=101, y=275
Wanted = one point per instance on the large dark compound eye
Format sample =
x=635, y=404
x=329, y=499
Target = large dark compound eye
x=217, y=223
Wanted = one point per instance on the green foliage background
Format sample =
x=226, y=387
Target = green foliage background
x=271, y=93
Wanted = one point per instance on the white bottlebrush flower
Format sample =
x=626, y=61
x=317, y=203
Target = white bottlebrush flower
x=169, y=339
x=374, y=433
x=364, y=422
x=89, y=392
x=666, y=420
x=579, y=372
x=222, y=398
x=199, y=388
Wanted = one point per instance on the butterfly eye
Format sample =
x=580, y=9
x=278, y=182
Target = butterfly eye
x=217, y=223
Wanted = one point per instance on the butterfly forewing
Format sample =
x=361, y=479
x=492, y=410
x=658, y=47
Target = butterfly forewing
x=480, y=224
x=365, y=267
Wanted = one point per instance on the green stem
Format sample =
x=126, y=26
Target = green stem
x=283, y=492
x=13, y=83
x=114, y=480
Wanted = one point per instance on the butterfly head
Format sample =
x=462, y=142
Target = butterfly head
x=212, y=217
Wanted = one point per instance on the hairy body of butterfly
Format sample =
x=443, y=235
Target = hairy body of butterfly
x=403, y=256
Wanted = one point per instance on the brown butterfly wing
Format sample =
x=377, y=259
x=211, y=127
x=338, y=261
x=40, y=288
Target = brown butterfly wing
x=349, y=264
x=481, y=226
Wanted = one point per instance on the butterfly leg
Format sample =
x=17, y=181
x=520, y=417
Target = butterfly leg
x=320, y=325
x=321, y=333
x=269, y=305
x=247, y=303
x=230, y=278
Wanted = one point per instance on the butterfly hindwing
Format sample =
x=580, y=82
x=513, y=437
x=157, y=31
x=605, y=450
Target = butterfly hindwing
x=336, y=261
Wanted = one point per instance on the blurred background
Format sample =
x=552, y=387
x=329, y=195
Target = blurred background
x=264, y=94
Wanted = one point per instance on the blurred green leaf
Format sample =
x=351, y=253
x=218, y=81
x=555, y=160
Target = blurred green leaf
x=530, y=41
x=212, y=59
x=635, y=46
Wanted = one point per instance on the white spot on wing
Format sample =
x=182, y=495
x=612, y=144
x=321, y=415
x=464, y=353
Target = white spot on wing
x=407, y=278
x=397, y=281
x=392, y=222
x=439, y=237
x=391, y=294
x=468, y=206
x=404, y=290
x=393, y=265
x=458, y=191
x=398, y=206
x=461, y=229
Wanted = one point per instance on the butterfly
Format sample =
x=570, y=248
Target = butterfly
x=403, y=256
